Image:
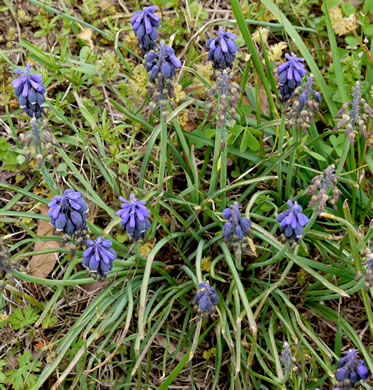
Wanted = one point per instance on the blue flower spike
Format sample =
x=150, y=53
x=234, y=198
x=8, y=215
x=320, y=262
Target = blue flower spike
x=222, y=49
x=145, y=24
x=292, y=221
x=206, y=298
x=30, y=91
x=99, y=256
x=67, y=212
x=290, y=76
x=236, y=227
x=162, y=62
x=351, y=369
x=135, y=217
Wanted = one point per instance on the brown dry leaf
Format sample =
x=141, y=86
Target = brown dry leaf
x=42, y=265
x=94, y=286
x=163, y=343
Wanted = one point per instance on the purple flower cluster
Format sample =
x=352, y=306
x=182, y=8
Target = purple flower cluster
x=206, y=298
x=30, y=91
x=99, y=256
x=290, y=76
x=222, y=50
x=135, y=217
x=162, y=61
x=350, y=370
x=293, y=221
x=67, y=212
x=236, y=227
x=145, y=24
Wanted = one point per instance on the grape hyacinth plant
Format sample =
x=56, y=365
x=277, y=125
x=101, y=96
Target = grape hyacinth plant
x=290, y=75
x=161, y=64
x=145, y=24
x=206, y=128
x=134, y=217
x=206, y=299
x=351, y=370
x=222, y=49
x=99, y=256
x=292, y=221
x=67, y=212
x=29, y=90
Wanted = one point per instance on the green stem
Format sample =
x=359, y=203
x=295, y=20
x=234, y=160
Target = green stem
x=342, y=161
x=223, y=174
x=214, y=173
x=281, y=135
x=163, y=153
x=258, y=110
x=289, y=176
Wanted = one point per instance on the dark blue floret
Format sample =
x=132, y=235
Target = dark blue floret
x=145, y=24
x=362, y=370
x=67, y=212
x=30, y=91
x=351, y=370
x=162, y=62
x=222, y=50
x=290, y=76
x=292, y=221
x=99, y=256
x=341, y=374
x=135, y=217
x=236, y=227
x=206, y=298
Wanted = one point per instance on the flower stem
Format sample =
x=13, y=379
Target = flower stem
x=342, y=161
x=215, y=168
x=163, y=153
x=293, y=156
x=223, y=167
